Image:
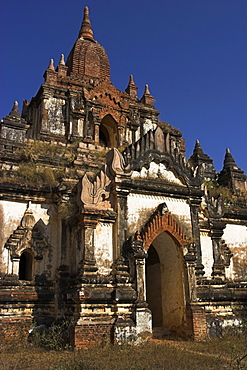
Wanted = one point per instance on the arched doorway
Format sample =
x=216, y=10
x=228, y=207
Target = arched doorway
x=166, y=283
x=108, y=132
x=26, y=266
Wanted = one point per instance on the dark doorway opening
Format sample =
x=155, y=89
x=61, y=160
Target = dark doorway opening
x=153, y=286
x=26, y=266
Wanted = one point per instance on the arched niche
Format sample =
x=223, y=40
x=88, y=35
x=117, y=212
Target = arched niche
x=108, y=132
x=26, y=266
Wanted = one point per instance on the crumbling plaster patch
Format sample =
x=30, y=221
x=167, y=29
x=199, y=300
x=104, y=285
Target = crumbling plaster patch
x=148, y=124
x=157, y=170
x=103, y=251
x=55, y=109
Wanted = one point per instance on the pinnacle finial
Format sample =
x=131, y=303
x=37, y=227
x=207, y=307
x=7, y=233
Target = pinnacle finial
x=132, y=88
x=147, y=92
x=51, y=65
x=62, y=60
x=15, y=110
x=131, y=81
x=86, y=31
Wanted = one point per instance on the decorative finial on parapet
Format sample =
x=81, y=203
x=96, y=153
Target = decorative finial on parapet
x=132, y=88
x=15, y=110
x=131, y=81
x=51, y=65
x=86, y=31
x=62, y=60
x=147, y=98
x=146, y=92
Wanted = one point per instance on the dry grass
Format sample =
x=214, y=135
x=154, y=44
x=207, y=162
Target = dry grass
x=214, y=354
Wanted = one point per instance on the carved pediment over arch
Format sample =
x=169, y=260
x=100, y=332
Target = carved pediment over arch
x=27, y=236
x=163, y=220
x=154, y=147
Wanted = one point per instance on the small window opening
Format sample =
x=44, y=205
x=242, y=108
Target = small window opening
x=26, y=266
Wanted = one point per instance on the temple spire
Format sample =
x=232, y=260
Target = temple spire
x=86, y=31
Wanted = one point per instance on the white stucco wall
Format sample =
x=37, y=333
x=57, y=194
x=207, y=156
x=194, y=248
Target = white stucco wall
x=207, y=253
x=235, y=237
x=103, y=251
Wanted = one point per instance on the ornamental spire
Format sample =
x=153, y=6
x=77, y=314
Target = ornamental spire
x=229, y=161
x=86, y=31
x=132, y=88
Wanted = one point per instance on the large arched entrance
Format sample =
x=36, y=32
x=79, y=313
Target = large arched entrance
x=166, y=283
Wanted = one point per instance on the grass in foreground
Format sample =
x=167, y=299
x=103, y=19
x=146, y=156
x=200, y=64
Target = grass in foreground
x=219, y=354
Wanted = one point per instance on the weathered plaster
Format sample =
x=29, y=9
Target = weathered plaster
x=235, y=237
x=207, y=253
x=148, y=125
x=103, y=247
x=157, y=170
x=56, y=119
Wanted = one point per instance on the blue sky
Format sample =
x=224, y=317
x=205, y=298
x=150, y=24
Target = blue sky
x=191, y=53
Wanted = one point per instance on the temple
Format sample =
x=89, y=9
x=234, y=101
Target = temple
x=105, y=223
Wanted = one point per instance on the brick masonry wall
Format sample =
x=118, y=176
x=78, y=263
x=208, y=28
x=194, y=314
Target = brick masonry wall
x=92, y=334
x=199, y=322
x=14, y=329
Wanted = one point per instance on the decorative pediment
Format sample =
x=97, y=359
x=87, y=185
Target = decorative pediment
x=155, y=146
x=26, y=236
x=107, y=93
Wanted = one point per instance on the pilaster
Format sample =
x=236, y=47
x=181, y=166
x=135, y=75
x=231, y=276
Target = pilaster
x=194, y=204
x=216, y=231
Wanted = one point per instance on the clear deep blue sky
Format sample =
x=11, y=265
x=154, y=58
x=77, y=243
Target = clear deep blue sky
x=191, y=53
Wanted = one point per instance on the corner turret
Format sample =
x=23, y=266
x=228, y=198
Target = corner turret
x=231, y=175
x=200, y=158
x=13, y=127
